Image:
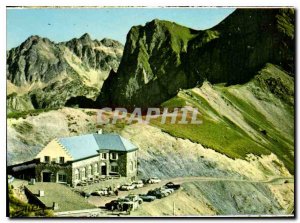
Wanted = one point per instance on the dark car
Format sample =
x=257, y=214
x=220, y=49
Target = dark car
x=157, y=193
x=171, y=185
x=113, y=205
x=147, y=198
x=95, y=193
x=85, y=194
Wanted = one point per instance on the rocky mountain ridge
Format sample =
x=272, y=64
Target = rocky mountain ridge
x=162, y=57
x=44, y=74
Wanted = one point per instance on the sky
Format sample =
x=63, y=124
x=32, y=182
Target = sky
x=64, y=24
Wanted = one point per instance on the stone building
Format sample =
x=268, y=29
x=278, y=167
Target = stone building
x=76, y=159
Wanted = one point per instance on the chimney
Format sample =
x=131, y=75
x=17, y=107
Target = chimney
x=99, y=131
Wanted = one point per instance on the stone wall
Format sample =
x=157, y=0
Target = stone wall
x=131, y=167
x=54, y=169
x=85, y=163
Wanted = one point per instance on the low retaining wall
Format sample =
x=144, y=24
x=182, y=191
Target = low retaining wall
x=33, y=199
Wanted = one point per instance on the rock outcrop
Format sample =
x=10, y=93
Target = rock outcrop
x=162, y=57
x=50, y=73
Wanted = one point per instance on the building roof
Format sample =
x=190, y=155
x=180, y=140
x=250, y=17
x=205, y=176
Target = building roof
x=87, y=145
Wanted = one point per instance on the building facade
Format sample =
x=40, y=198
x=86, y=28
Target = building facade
x=76, y=159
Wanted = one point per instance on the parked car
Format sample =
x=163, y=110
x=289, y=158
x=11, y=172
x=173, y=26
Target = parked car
x=167, y=190
x=138, y=184
x=126, y=204
x=85, y=194
x=127, y=187
x=112, y=205
x=172, y=185
x=145, y=181
x=96, y=193
x=134, y=198
x=103, y=192
x=147, y=198
x=153, y=180
x=158, y=193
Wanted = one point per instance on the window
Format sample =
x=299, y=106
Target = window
x=61, y=159
x=76, y=174
x=86, y=172
x=114, y=156
x=95, y=168
x=89, y=173
x=131, y=166
x=114, y=167
x=104, y=156
x=47, y=159
x=82, y=173
x=62, y=178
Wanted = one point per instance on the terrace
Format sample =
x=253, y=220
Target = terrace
x=63, y=196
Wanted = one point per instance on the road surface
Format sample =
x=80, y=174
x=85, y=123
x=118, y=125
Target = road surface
x=101, y=201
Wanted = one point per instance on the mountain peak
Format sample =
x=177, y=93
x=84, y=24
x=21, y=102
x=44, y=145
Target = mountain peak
x=86, y=36
x=32, y=40
x=111, y=43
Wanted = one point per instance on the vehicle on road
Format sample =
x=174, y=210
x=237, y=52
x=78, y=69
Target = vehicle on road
x=96, y=193
x=134, y=198
x=112, y=205
x=127, y=187
x=153, y=180
x=126, y=204
x=171, y=185
x=158, y=193
x=147, y=198
x=167, y=190
x=85, y=194
x=103, y=192
x=138, y=184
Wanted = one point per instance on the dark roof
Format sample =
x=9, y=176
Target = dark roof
x=87, y=145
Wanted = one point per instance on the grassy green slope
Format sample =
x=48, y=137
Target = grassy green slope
x=256, y=118
x=180, y=35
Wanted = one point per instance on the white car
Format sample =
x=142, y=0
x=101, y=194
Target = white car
x=154, y=180
x=134, y=198
x=167, y=190
x=138, y=184
x=127, y=187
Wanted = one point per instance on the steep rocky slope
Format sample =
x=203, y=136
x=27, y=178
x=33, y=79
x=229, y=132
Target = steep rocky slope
x=254, y=118
x=162, y=57
x=209, y=198
x=44, y=74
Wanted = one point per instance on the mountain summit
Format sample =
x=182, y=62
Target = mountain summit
x=162, y=57
x=44, y=74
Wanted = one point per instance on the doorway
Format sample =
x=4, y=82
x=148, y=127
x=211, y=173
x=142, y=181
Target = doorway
x=103, y=170
x=46, y=176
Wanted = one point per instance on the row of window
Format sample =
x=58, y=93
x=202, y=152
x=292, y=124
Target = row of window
x=94, y=169
x=61, y=159
x=113, y=156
